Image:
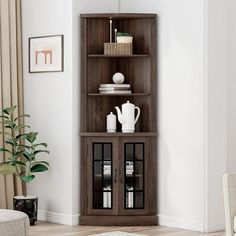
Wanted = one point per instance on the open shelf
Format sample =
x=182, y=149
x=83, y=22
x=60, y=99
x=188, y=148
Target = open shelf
x=118, y=134
x=104, y=56
x=124, y=94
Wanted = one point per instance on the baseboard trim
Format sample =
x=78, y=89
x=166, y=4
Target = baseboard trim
x=181, y=223
x=58, y=218
x=163, y=220
x=98, y=220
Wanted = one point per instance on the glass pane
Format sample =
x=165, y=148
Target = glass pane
x=129, y=200
x=97, y=151
x=107, y=175
x=139, y=175
x=107, y=151
x=129, y=180
x=98, y=175
x=139, y=200
x=98, y=200
x=129, y=151
x=106, y=199
x=139, y=151
x=102, y=175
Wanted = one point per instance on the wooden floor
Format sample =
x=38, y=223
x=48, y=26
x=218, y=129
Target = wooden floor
x=49, y=229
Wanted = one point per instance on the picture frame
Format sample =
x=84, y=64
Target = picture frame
x=46, y=54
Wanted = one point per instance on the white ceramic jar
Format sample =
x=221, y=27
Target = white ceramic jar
x=111, y=123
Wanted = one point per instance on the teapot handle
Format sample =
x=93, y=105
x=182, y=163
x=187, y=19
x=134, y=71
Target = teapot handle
x=136, y=118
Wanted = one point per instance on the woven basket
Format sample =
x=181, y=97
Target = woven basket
x=118, y=48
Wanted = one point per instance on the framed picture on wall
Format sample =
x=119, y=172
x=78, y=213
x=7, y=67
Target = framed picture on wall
x=46, y=54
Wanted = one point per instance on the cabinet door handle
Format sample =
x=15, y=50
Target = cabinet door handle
x=115, y=176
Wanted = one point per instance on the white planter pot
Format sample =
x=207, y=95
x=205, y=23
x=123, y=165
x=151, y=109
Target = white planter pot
x=125, y=39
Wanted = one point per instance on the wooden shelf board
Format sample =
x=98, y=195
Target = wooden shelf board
x=119, y=16
x=124, y=94
x=118, y=134
x=108, y=56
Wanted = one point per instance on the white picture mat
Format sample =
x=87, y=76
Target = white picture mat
x=53, y=44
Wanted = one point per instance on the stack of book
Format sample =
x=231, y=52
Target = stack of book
x=114, y=89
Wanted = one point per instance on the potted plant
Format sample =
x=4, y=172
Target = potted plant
x=124, y=37
x=21, y=150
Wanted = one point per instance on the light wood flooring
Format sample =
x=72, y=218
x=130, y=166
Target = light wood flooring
x=49, y=229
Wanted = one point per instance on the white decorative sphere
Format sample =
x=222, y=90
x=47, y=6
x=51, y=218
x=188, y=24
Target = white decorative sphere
x=118, y=78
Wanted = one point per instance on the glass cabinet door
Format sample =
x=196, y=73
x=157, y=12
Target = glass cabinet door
x=134, y=175
x=102, y=175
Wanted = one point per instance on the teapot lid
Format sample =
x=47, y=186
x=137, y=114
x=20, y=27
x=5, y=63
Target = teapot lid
x=128, y=103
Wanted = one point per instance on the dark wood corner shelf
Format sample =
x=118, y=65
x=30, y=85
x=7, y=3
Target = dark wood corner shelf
x=118, y=170
x=108, y=56
x=113, y=94
x=118, y=134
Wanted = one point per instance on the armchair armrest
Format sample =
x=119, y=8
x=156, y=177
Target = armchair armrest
x=229, y=189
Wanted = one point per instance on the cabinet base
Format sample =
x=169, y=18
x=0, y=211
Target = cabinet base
x=118, y=220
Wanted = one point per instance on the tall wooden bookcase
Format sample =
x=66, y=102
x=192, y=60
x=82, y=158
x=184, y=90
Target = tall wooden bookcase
x=118, y=170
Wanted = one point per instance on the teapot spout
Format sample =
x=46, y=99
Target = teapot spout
x=120, y=116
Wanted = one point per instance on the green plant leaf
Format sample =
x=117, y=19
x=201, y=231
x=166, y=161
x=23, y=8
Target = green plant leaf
x=4, y=150
x=10, y=142
x=19, y=153
x=4, y=117
x=21, y=116
x=38, y=168
x=31, y=137
x=6, y=122
x=27, y=179
x=6, y=169
x=27, y=156
x=23, y=146
x=17, y=163
x=21, y=136
x=9, y=110
x=19, y=127
x=40, y=162
x=38, y=151
x=41, y=144
x=10, y=126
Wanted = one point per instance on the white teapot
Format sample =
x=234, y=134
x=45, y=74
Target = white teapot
x=127, y=117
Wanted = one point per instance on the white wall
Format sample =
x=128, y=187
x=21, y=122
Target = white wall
x=217, y=75
x=232, y=87
x=52, y=99
x=181, y=109
x=48, y=99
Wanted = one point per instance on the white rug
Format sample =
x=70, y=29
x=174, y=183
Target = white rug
x=117, y=233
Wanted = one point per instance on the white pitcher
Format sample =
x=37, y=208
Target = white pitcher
x=127, y=116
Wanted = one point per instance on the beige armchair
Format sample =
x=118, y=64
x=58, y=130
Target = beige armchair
x=13, y=223
x=229, y=187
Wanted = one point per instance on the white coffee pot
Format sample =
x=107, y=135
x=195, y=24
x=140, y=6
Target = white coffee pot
x=127, y=116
